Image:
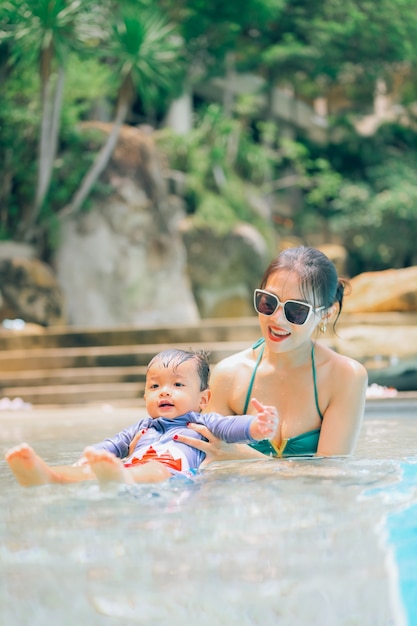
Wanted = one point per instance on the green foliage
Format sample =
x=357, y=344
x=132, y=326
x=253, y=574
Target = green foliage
x=146, y=49
x=19, y=119
x=37, y=25
x=222, y=164
x=89, y=83
x=237, y=167
x=231, y=171
x=324, y=183
x=74, y=160
x=375, y=210
x=107, y=50
x=214, y=213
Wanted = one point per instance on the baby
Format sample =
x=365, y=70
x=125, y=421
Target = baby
x=176, y=393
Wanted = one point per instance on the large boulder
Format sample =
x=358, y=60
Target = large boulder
x=338, y=254
x=30, y=291
x=383, y=291
x=124, y=262
x=225, y=269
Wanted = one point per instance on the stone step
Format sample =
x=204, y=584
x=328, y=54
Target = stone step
x=86, y=375
x=33, y=337
x=72, y=366
x=89, y=393
x=76, y=366
x=72, y=376
x=65, y=366
x=103, y=356
x=212, y=330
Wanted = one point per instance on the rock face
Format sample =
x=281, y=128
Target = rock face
x=124, y=262
x=388, y=290
x=337, y=254
x=30, y=291
x=224, y=270
x=135, y=259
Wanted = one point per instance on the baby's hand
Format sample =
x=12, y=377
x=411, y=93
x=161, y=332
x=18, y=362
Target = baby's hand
x=265, y=424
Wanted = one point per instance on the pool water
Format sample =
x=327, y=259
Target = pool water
x=291, y=542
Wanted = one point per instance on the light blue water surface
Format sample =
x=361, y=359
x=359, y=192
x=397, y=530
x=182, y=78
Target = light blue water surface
x=291, y=542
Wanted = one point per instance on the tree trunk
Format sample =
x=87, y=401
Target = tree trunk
x=99, y=164
x=51, y=99
x=44, y=158
x=56, y=119
x=180, y=114
x=228, y=95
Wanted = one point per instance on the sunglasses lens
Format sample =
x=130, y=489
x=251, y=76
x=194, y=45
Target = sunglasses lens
x=265, y=303
x=296, y=312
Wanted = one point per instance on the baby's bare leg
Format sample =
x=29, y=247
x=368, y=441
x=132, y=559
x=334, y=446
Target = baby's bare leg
x=108, y=468
x=30, y=470
x=150, y=472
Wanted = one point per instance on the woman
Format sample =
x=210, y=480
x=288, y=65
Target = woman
x=319, y=394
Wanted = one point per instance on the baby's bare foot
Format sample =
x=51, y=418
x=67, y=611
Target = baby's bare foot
x=28, y=468
x=106, y=466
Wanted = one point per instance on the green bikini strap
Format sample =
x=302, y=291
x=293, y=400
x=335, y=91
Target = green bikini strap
x=258, y=360
x=316, y=395
x=261, y=342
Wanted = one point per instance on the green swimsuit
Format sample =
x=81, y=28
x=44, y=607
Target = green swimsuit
x=304, y=444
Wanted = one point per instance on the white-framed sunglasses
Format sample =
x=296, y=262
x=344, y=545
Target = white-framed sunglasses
x=295, y=312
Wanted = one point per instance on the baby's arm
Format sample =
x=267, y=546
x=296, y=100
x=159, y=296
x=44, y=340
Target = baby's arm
x=243, y=428
x=122, y=444
x=265, y=424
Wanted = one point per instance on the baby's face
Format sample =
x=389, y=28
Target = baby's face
x=171, y=392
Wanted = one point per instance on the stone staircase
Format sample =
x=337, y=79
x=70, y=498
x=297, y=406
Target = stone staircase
x=68, y=366
x=74, y=366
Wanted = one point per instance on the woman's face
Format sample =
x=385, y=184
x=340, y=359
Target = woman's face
x=279, y=333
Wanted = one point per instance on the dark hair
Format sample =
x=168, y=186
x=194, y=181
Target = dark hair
x=175, y=357
x=316, y=272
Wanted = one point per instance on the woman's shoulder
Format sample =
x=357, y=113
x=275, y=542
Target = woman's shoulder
x=238, y=359
x=233, y=369
x=340, y=363
x=226, y=379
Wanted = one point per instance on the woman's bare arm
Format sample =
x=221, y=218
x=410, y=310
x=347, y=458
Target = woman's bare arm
x=217, y=450
x=222, y=383
x=344, y=416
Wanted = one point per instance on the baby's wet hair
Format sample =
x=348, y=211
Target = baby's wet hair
x=174, y=357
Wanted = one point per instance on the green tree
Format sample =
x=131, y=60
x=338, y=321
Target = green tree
x=146, y=51
x=375, y=209
x=142, y=48
x=45, y=31
x=238, y=157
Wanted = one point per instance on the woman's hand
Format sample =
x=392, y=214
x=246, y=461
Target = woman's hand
x=134, y=441
x=215, y=449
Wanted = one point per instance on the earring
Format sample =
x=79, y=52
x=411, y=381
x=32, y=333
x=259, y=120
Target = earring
x=323, y=327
